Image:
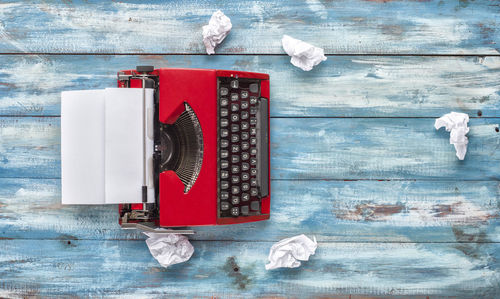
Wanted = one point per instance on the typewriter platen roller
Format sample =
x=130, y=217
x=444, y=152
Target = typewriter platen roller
x=211, y=141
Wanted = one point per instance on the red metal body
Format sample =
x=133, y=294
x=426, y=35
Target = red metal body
x=197, y=87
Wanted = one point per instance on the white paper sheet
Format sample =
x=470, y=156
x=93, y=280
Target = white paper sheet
x=456, y=124
x=123, y=170
x=304, y=55
x=290, y=251
x=216, y=31
x=101, y=146
x=169, y=249
x=82, y=147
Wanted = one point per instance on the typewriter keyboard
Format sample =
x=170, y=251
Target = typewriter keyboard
x=242, y=147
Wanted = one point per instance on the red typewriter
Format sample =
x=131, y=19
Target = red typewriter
x=211, y=147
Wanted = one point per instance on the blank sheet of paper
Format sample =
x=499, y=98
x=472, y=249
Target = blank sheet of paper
x=82, y=147
x=123, y=171
x=102, y=146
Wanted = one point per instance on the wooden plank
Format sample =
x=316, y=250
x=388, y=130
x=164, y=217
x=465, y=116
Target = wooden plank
x=351, y=211
x=30, y=147
x=347, y=86
x=304, y=148
x=49, y=268
x=382, y=27
x=384, y=148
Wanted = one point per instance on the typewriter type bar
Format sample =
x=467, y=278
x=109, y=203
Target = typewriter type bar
x=211, y=141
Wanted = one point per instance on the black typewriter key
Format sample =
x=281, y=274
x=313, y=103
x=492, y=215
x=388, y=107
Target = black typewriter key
x=245, y=156
x=253, y=171
x=245, y=166
x=235, y=148
x=234, y=97
x=245, y=176
x=223, y=112
x=224, y=164
x=235, y=159
x=244, y=145
x=244, y=125
x=245, y=187
x=244, y=94
x=224, y=184
x=224, y=143
x=253, y=110
x=235, y=117
x=224, y=206
x=224, y=195
x=244, y=136
x=244, y=115
x=224, y=133
x=254, y=87
x=244, y=104
x=253, y=120
x=224, y=174
x=235, y=128
x=253, y=131
x=224, y=122
x=253, y=141
x=224, y=91
x=235, y=169
x=235, y=107
x=253, y=100
x=235, y=200
x=235, y=138
x=235, y=179
x=244, y=210
x=245, y=196
x=253, y=192
x=235, y=189
x=253, y=182
x=253, y=151
x=224, y=102
x=253, y=161
x=235, y=211
x=234, y=84
x=254, y=205
x=224, y=154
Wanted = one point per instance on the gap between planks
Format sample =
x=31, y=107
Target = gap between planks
x=286, y=117
x=244, y=54
x=62, y=237
x=310, y=180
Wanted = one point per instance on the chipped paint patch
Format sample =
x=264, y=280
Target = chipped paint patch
x=371, y=212
x=232, y=269
x=415, y=214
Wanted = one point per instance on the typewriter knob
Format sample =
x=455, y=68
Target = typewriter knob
x=145, y=68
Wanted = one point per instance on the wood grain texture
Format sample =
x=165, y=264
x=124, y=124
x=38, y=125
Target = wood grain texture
x=382, y=27
x=333, y=211
x=356, y=161
x=304, y=148
x=66, y=267
x=347, y=86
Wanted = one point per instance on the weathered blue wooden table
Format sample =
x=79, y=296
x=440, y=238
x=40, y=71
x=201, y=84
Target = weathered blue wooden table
x=356, y=161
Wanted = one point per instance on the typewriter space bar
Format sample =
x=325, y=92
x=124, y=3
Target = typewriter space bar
x=263, y=148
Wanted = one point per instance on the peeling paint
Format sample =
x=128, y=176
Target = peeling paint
x=232, y=269
x=371, y=212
